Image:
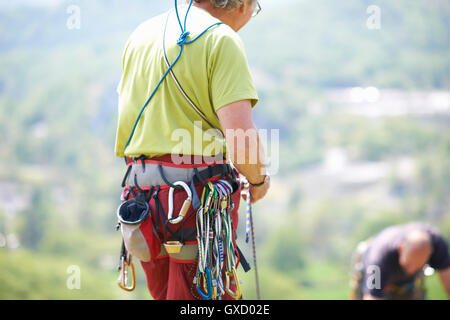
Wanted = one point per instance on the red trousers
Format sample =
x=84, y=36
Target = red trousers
x=170, y=279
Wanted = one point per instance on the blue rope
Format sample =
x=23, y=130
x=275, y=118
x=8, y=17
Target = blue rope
x=150, y=98
x=187, y=12
x=215, y=24
x=182, y=40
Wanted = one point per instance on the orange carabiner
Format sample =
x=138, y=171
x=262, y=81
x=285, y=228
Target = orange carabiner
x=123, y=276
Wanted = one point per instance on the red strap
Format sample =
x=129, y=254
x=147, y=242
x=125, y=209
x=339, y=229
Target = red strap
x=164, y=186
x=167, y=161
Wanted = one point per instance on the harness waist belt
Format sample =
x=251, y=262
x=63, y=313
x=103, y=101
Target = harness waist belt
x=139, y=175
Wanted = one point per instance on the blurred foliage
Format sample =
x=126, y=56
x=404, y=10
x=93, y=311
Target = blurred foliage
x=57, y=129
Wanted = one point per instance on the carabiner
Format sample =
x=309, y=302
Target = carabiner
x=238, y=293
x=209, y=197
x=184, y=209
x=214, y=289
x=209, y=291
x=123, y=276
x=228, y=186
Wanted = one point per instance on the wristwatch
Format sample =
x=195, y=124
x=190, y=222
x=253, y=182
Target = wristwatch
x=259, y=184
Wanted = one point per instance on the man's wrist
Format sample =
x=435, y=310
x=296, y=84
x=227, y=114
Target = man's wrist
x=259, y=184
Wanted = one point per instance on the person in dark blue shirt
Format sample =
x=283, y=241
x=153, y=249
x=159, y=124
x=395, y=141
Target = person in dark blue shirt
x=391, y=263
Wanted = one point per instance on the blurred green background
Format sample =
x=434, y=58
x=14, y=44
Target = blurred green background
x=363, y=114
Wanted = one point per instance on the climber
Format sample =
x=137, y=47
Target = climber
x=390, y=264
x=185, y=67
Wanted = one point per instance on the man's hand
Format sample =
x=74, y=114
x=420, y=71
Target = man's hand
x=257, y=193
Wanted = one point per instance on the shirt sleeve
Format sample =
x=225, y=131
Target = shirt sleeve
x=440, y=258
x=229, y=73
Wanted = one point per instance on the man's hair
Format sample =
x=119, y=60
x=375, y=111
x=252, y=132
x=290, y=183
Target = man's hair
x=225, y=4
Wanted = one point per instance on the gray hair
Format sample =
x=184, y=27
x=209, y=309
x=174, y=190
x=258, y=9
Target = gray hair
x=226, y=4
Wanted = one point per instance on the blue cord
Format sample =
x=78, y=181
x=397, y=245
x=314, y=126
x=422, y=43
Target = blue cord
x=215, y=24
x=182, y=40
x=187, y=12
x=148, y=100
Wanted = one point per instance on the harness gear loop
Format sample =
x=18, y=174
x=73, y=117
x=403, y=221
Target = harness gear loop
x=163, y=176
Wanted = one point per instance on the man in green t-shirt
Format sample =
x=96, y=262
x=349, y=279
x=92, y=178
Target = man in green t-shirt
x=210, y=87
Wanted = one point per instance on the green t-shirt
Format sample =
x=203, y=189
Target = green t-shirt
x=213, y=72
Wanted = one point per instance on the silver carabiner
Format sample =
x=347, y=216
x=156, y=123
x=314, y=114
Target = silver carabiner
x=184, y=209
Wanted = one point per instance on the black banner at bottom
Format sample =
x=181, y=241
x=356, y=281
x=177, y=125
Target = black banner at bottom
x=243, y=309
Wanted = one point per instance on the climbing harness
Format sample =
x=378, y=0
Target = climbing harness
x=149, y=233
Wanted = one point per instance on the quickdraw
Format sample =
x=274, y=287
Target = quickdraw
x=209, y=292
x=215, y=242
